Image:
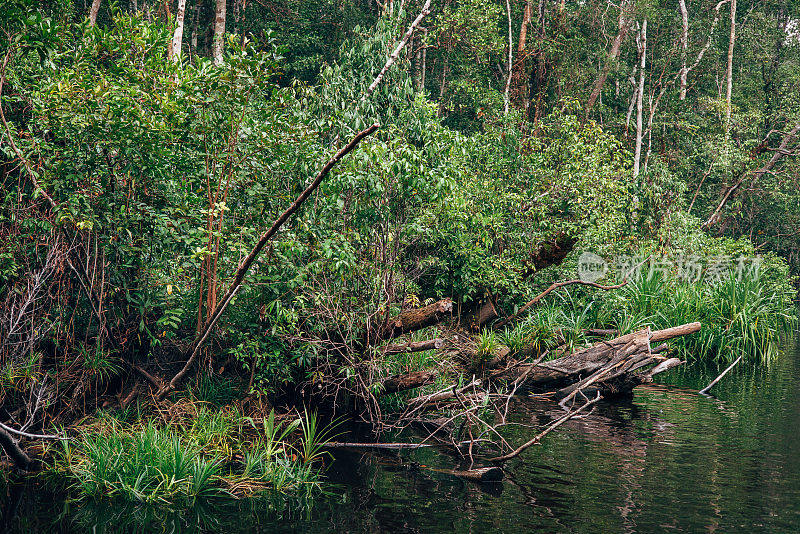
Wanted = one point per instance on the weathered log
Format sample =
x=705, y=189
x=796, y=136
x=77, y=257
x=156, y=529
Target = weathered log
x=386, y=446
x=482, y=315
x=14, y=451
x=623, y=385
x=442, y=395
x=579, y=365
x=676, y=331
x=416, y=319
x=414, y=346
x=393, y=384
x=601, y=331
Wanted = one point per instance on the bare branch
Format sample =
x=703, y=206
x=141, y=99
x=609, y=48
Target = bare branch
x=396, y=54
x=244, y=267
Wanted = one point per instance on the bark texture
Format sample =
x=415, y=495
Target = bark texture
x=729, y=87
x=177, y=37
x=93, y=10
x=624, y=354
x=219, y=31
x=637, y=158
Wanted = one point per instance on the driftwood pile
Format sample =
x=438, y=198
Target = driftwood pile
x=466, y=415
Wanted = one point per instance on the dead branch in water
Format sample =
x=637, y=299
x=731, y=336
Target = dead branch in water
x=555, y=424
x=722, y=374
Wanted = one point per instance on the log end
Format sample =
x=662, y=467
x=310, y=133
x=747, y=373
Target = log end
x=482, y=474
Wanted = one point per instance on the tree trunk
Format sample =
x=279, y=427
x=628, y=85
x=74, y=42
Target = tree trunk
x=518, y=83
x=510, y=60
x=424, y=58
x=684, y=45
x=219, y=31
x=177, y=38
x=93, y=12
x=612, y=57
x=414, y=346
x=632, y=103
x=195, y=23
x=408, y=381
x=426, y=8
x=443, y=84
x=538, y=85
x=729, y=89
x=640, y=92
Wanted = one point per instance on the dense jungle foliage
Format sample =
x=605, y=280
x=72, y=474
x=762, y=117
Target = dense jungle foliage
x=136, y=178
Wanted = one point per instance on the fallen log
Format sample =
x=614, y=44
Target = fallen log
x=14, y=451
x=580, y=365
x=386, y=446
x=396, y=383
x=414, y=346
x=485, y=313
x=442, y=395
x=416, y=319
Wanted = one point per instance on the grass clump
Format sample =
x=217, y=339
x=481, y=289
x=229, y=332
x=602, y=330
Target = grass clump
x=741, y=315
x=204, y=456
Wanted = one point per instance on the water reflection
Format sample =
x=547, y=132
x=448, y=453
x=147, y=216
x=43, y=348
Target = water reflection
x=667, y=460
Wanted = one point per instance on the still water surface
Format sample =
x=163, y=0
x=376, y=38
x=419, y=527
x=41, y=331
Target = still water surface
x=668, y=460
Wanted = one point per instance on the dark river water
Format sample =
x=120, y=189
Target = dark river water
x=668, y=460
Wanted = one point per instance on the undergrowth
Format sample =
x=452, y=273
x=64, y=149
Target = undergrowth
x=203, y=454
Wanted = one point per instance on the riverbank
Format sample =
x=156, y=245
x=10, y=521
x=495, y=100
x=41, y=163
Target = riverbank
x=666, y=460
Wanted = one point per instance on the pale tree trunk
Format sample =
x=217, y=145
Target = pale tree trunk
x=424, y=57
x=729, y=88
x=632, y=104
x=195, y=22
x=640, y=92
x=684, y=45
x=177, y=37
x=510, y=59
x=219, y=31
x=612, y=56
x=703, y=50
x=93, y=12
